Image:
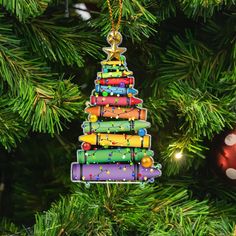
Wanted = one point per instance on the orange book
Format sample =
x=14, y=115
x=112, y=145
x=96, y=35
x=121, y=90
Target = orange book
x=133, y=113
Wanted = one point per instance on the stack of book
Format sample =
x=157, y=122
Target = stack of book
x=116, y=146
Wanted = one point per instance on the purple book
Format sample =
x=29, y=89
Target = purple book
x=112, y=172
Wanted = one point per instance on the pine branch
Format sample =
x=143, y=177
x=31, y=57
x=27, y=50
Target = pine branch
x=24, y=10
x=190, y=60
x=8, y=228
x=57, y=43
x=128, y=209
x=181, y=225
x=220, y=36
x=199, y=116
x=34, y=189
x=18, y=67
x=193, y=153
x=167, y=9
x=14, y=68
x=204, y=184
x=48, y=104
x=227, y=87
x=194, y=106
x=41, y=102
x=12, y=127
x=158, y=111
x=184, y=59
x=135, y=16
x=205, y=9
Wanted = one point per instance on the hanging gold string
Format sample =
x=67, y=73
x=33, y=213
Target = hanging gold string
x=113, y=26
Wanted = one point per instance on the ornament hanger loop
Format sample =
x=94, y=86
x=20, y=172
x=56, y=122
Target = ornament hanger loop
x=114, y=38
x=113, y=26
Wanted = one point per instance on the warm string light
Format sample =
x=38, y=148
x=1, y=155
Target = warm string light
x=178, y=155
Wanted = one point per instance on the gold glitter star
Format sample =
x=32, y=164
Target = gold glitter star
x=114, y=52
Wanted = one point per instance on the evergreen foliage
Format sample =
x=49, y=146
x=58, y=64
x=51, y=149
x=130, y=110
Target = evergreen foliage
x=183, y=54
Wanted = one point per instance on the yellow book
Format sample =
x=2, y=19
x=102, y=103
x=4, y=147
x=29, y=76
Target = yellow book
x=112, y=63
x=120, y=140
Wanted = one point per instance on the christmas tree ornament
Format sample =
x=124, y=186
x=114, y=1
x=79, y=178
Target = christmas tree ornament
x=117, y=149
x=225, y=155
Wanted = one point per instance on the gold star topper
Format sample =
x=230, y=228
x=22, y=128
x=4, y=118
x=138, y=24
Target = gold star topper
x=114, y=38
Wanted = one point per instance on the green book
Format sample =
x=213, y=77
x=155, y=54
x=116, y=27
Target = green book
x=113, y=155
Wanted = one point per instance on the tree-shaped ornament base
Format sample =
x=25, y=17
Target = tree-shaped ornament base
x=116, y=146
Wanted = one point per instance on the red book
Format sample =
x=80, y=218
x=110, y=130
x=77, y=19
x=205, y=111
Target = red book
x=115, y=81
x=115, y=101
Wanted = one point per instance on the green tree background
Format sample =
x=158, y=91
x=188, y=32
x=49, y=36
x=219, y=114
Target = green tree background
x=183, y=55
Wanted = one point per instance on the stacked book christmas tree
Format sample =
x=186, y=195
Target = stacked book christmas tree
x=116, y=146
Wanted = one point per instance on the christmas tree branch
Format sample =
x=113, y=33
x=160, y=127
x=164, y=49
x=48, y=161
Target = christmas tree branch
x=136, y=16
x=24, y=10
x=9, y=228
x=14, y=67
x=48, y=104
x=205, y=9
x=193, y=105
x=88, y=212
x=12, y=127
x=48, y=180
x=183, y=59
x=158, y=111
x=58, y=43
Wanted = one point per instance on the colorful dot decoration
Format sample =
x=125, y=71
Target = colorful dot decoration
x=93, y=118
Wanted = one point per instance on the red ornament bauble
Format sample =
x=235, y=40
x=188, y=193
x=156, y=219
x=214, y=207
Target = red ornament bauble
x=226, y=156
x=86, y=146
